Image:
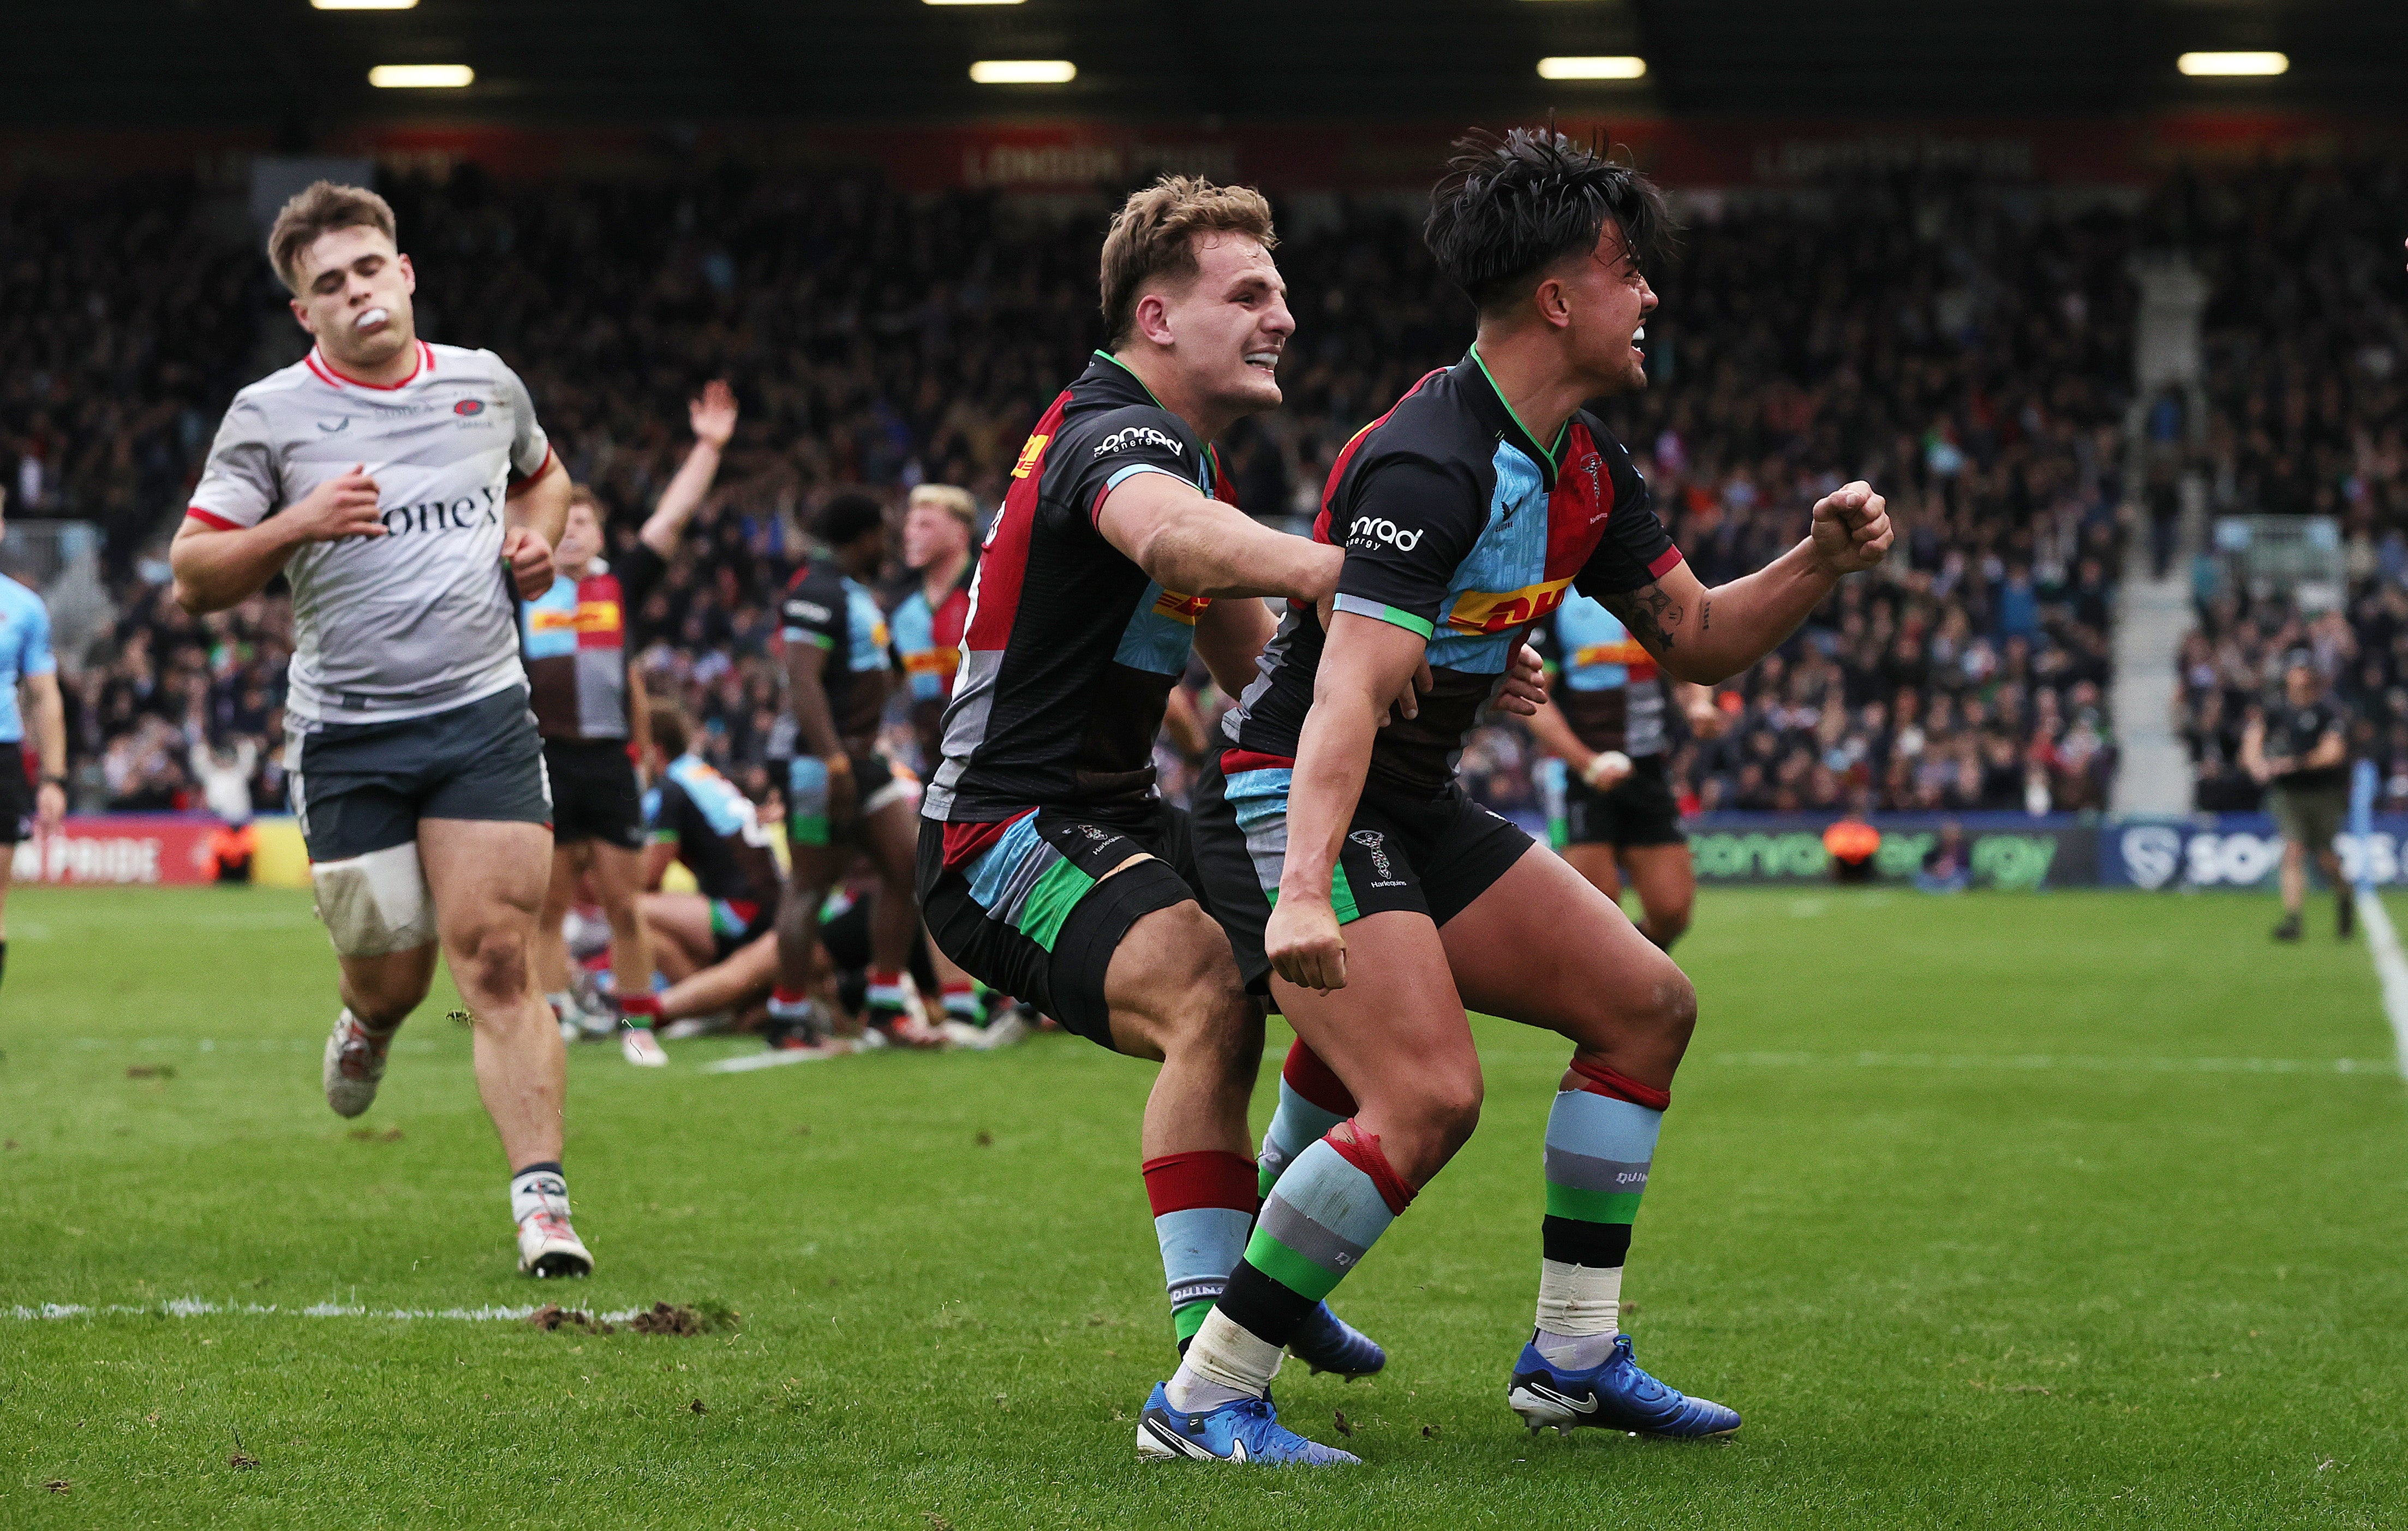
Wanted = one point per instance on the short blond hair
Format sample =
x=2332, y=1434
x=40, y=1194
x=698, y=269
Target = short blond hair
x=1153, y=235
x=948, y=497
x=320, y=210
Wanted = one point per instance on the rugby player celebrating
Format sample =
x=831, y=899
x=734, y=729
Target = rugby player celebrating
x=1049, y=865
x=404, y=489
x=1349, y=864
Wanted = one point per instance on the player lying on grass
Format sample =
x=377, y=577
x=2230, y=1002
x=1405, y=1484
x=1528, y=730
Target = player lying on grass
x=843, y=796
x=579, y=639
x=404, y=489
x=1354, y=872
x=718, y=945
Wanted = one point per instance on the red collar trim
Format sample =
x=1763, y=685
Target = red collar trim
x=317, y=362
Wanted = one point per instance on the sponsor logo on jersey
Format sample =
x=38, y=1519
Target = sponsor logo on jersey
x=1494, y=611
x=470, y=407
x=1181, y=608
x=330, y=426
x=1370, y=529
x=465, y=514
x=1030, y=452
x=586, y=617
x=798, y=610
x=1135, y=436
x=1625, y=651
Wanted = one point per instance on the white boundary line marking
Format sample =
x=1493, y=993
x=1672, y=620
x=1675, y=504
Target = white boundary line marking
x=199, y=1308
x=2390, y=964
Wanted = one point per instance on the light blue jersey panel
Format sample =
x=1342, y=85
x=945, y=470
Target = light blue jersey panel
x=1509, y=554
x=24, y=651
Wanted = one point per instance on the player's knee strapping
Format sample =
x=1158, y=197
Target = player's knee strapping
x=1203, y=1207
x=1601, y=1144
x=374, y=903
x=1311, y=1100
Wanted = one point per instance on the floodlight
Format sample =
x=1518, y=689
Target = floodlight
x=1608, y=66
x=2233, y=64
x=1023, y=71
x=420, y=77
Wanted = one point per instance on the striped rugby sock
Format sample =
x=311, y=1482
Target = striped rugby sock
x=1203, y=1206
x=1600, y=1142
x=1335, y=1201
x=1311, y=1100
x=886, y=991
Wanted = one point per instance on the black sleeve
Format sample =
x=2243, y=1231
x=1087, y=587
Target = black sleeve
x=1636, y=550
x=1100, y=454
x=814, y=612
x=639, y=573
x=1407, y=525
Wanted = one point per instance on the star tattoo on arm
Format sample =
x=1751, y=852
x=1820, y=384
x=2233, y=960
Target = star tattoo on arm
x=1647, y=611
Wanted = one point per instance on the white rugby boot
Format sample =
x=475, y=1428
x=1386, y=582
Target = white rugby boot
x=354, y=1064
x=639, y=1046
x=547, y=1246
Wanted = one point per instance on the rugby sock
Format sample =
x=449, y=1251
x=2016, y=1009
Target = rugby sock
x=1600, y=1140
x=790, y=1004
x=1203, y=1207
x=640, y=1011
x=535, y=1185
x=1311, y=1100
x=961, y=1002
x=1334, y=1202
x=886, y=991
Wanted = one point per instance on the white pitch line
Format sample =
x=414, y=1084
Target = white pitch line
x=2390, y=966
x=199, y=1308
x=2028, y=1062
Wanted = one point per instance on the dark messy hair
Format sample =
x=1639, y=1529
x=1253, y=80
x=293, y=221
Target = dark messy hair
x=1509, y=206
x=847, y=517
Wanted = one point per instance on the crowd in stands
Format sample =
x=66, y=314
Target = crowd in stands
x=1965, y=349
x=2307, y=370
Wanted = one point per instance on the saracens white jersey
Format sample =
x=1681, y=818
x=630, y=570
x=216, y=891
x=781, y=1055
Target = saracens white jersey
x=423, y=619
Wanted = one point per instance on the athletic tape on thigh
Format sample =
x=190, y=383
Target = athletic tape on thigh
x=374, y=903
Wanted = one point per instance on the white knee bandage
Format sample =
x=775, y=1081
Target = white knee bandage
x=374, y=903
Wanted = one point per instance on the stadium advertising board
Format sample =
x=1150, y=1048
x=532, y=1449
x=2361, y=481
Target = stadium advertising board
x=2234, y=851
x=2012, y=851
x=152, y=850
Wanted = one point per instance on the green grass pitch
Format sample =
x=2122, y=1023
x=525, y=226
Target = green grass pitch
x=2081, y=1208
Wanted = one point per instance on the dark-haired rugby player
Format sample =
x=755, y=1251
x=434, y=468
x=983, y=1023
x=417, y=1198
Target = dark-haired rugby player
x=1349, y=866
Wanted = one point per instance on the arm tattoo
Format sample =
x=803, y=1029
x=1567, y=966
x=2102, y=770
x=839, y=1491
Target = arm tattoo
x=1647, y=611
x=1705, y=614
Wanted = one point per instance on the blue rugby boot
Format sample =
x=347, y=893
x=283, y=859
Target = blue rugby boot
x=1328, y=1343
x=1245, y=1430
x=1613, y=1394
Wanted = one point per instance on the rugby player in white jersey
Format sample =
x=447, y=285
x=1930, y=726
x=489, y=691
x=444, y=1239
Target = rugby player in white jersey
x=408, y=493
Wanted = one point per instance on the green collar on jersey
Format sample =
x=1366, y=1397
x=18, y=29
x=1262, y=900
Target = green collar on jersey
x=1549, y=458
x=1211, y=452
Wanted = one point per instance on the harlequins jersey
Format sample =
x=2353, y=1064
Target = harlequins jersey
x=1605, y=681
x=832, y=612
x=1460, y=526
x=1071, y=650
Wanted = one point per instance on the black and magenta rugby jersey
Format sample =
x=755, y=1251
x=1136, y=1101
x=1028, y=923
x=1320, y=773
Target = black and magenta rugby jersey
x=1459, y=526
x=1070, y=650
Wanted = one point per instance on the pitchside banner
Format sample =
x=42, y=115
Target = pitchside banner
x=152, y=850
x=2012, y=850
x=2235, y=850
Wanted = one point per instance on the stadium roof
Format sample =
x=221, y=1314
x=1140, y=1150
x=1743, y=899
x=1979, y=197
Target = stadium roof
x=302, y=72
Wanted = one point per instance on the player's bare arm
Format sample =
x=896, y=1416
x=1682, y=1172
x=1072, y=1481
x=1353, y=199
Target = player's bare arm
x=1230, y=637
x=816, y=727
x=1197, y=545
x=537, y=513
x=48, y=714
x=1363, y=665
x=711, y=413
x=217, y=567
x=1707, y=635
